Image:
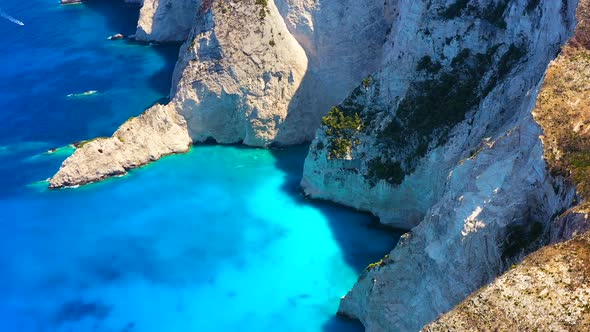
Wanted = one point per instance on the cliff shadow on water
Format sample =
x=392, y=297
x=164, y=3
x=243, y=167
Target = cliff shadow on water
x=354, y=245
x=122, y=18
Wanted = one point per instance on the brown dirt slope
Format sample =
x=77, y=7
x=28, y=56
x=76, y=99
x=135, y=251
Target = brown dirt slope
x=549, y=291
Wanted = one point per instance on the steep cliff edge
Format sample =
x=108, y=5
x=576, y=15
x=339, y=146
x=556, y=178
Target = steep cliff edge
x=550, y=290
x=563, y=111
x=442, y=140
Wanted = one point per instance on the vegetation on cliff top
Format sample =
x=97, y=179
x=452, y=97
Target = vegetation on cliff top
x=548, y=291
x=563, y=110
x=382, y=262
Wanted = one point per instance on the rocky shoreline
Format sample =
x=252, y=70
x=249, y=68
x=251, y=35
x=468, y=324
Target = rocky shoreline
x=158, y=132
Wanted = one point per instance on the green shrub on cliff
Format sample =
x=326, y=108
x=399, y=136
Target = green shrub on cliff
x=428, y=65
x=263, y=4
x=390, y=171
x=493, y=13
x=340, y=129
x=433, y=106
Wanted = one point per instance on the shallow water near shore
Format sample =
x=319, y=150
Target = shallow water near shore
x=218, y=239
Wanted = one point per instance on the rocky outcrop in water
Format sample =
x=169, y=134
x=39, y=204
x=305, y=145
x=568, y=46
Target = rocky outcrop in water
x=158, y=132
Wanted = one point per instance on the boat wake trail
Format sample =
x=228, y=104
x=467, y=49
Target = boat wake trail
x=10, y=18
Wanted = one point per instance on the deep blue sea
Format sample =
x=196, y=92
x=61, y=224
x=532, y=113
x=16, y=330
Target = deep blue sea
x=219, y=239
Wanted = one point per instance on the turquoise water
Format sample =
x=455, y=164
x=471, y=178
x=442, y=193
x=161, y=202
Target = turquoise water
x=218, y=239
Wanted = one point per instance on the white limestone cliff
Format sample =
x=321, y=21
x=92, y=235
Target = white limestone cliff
x=494, y=207
x=470, y=51
x=269, y=80
x=441, y=140
x=238, y=78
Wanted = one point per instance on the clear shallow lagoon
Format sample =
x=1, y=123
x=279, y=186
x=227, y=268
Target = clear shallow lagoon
x=218, y=239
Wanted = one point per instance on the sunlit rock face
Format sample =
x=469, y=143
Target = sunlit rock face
x=266, y=74
x=239, y=75
x=158, y=132
x=166, y=20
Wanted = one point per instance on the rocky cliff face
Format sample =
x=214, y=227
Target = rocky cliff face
x=454, y=74
x=442, y=140
x=239, y=76
x=549, y=290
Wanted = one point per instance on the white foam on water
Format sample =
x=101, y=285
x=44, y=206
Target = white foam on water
x=11, y=19
x=83, y=94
